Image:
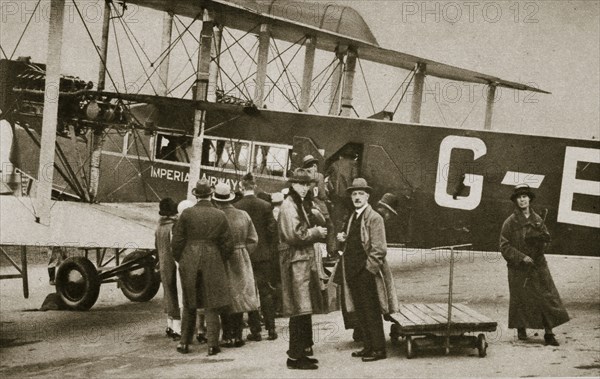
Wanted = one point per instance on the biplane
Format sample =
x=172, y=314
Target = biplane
x=85, y=166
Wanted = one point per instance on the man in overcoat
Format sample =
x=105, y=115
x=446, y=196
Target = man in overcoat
x=201, y=244
x=262, y=257
x=300, y=282
x=534, y=299
x=366, y=277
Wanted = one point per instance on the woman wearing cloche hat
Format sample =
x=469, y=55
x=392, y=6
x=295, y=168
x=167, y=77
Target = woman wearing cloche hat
x=534, y=299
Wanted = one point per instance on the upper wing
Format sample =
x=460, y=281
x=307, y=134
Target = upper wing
x=332, y=25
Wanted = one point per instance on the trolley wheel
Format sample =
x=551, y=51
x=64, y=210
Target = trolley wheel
x=482, y=345
x=409, y=348
x=140, y=284
x=395, y=334
x=77, y=283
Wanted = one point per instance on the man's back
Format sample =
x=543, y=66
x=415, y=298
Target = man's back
x=264, y=223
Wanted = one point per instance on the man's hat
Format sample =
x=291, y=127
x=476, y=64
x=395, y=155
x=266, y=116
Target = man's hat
x=277, y=198
x=389, y=201
x=522, y=189
x=203, y=188
x=300, y=175
x=308, y=161
x=248, y=179
x=223, y=193
x=167, y=207
x=359, y=184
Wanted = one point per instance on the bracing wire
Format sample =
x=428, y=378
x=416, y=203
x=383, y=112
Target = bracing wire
x=24, y=30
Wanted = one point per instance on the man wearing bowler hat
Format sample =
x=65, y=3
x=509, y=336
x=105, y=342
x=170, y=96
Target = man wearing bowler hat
x=201, y=243
x=365, y=275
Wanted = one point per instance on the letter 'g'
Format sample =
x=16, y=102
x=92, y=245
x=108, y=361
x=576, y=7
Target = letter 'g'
x=442, y=198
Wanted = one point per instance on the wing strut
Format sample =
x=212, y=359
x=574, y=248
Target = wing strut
x=50, y=115
x=201, y=93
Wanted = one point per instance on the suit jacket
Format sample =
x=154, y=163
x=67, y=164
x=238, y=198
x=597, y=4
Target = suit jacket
x=372, y=235
x=266, y=227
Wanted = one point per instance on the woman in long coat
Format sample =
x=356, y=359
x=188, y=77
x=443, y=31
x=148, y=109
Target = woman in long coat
x=244, y=296
x=168, y=269
x=534, y=299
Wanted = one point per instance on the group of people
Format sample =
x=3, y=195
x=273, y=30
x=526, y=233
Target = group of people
x=235, y=253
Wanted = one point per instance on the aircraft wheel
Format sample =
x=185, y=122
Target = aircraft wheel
x=410, y=353
x=140, y=284
x=482, y=345
x=77, y=283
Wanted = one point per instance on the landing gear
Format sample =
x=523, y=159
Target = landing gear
x=78, y=280
x=77, y=283
x=142, y=283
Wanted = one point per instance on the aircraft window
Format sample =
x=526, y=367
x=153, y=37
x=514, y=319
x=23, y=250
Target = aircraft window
x=173, y=148
x=135, y=145
x=225, y=154
x=270, y=160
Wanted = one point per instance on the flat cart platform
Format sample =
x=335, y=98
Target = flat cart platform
x=441, y=325
x=426, y=326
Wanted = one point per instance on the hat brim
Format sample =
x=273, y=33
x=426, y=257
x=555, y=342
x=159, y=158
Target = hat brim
x=202, y=194
x=166, y=213
x=306, y=180
x=523, y=191
x=223, y=199
x=388, y=207
x=309, y=163
x=366, y=189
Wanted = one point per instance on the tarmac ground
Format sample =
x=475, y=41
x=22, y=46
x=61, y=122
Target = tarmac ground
x=121, y=339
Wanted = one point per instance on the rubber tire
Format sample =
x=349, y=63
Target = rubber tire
x=410, y=353
x=149, y=284
x=395, y=334
x=88, y=296
x=481, y=345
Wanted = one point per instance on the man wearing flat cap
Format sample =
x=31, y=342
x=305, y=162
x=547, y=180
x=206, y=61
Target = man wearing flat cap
x=365, y=277
x=534, y=300
x=201, y=244
x=301, y=292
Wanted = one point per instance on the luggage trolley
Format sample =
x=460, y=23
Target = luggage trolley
x=441, y=325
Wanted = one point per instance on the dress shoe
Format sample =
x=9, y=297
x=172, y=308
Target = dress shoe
x=169, y=332
x=311, y=360
x=227, y=343
x=201, y=338
x=361, y=353
x=549, y=339
x=374, y=356
x=183, y=348
x=300, y=364
x=176, y=336
x=272, y=335
x=522, y=334
x=214, y=350
x=254, y=337
x=239, y=342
